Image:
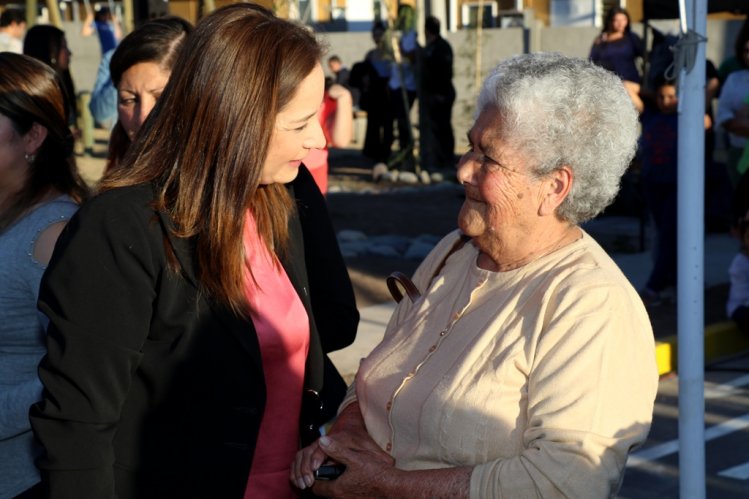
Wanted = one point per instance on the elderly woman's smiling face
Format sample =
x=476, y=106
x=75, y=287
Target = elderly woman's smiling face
x=502, y=195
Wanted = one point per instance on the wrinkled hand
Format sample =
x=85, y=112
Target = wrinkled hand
x=368, y=470
x=349, y=432
x=305, y=464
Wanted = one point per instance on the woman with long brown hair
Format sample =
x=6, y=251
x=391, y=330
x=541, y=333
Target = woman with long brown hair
x=184, y=326
x=39, y=191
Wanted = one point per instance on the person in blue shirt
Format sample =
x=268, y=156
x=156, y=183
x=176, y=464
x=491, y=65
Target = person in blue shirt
x=103, y=103
x=105, y=25
x=40, y=190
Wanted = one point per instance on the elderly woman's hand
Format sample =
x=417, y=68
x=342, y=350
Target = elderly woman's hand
x=350, y=433
x=368, y=471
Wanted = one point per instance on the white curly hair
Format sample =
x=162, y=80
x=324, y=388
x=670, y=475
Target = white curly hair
x=559, y=110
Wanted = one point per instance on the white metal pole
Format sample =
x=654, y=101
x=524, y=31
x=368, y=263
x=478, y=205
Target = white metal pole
x=690, y=272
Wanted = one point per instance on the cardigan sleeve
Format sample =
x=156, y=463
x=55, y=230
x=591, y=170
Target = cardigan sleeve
x=98, y=294
x=591, y=388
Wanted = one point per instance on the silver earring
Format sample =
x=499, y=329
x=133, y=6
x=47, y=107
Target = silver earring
x=29, y=157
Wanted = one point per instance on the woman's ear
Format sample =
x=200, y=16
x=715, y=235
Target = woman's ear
x=558, y=185
x=34, y=138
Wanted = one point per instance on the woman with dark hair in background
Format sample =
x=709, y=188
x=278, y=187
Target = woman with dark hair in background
x=39, y=191
x=49, y=45
x=186, y=328
x=617, y=49
x=140, y=69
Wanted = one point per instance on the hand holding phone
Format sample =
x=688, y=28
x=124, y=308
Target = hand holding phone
x=329, y=471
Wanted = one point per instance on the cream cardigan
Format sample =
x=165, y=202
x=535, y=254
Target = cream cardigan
x=543, y=378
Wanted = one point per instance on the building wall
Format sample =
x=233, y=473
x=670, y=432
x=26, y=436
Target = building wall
x=470, y=53
x=497, y=44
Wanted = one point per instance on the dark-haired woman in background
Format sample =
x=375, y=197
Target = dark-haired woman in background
x=179, y=368
x=140, y=68
x=49, y=45
x=39, y=191
x=617, y=49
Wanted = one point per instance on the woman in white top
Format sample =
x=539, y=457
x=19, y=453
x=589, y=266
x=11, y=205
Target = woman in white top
x=527, y=366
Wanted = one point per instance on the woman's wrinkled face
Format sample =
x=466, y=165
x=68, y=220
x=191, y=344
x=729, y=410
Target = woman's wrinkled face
x=502, y=196
x=139, y=89
x=619, y=23
x=296, y=131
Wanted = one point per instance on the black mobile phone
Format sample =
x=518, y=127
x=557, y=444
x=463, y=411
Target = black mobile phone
x=329, y=471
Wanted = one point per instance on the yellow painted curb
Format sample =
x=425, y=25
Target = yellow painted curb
x=721, y=339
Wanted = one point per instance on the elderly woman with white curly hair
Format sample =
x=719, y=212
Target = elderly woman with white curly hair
x=526, y=368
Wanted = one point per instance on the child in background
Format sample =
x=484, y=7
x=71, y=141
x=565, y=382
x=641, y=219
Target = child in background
x=658, y=152
x=737, y=307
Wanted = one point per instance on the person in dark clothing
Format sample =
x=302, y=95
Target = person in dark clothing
x=437, y=141
x=340, y=72
x=371, y=77
x=342, y=76
x=617, y=49
x=658, y=151
x=403, y=87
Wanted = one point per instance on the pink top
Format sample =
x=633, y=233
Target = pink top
x=282, y=328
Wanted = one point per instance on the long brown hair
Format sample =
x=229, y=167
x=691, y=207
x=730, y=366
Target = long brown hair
x=157, y=41
x=31, y=92
x=207, y=138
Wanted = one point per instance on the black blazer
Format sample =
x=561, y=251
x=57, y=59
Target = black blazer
x=151, y=388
